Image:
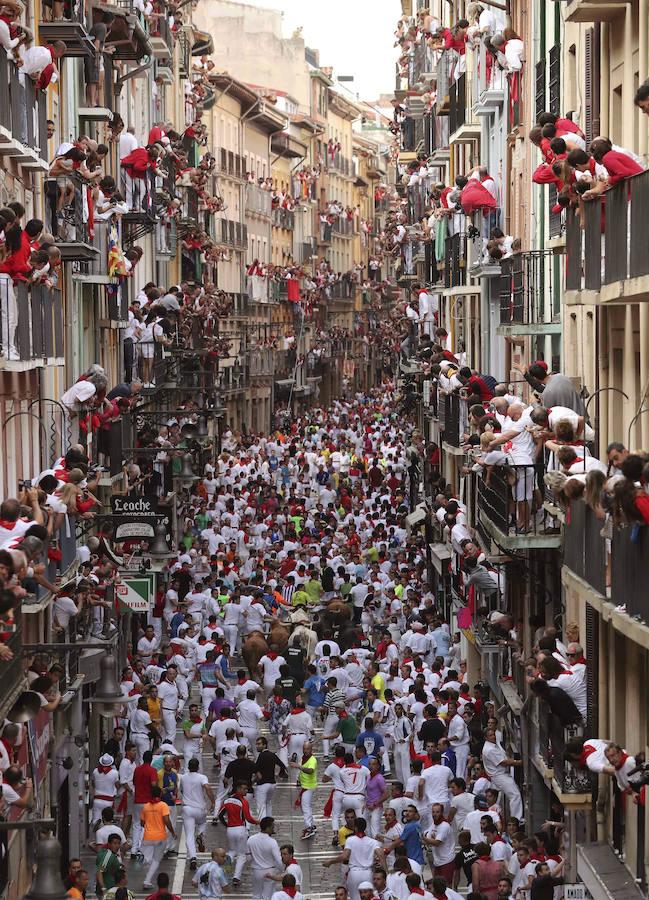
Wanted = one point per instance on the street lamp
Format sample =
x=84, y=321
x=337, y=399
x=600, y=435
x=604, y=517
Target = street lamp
x=47, y=883
x=108, y=698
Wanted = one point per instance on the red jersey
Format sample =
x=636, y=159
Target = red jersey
x=238, y=812
x=144, y=777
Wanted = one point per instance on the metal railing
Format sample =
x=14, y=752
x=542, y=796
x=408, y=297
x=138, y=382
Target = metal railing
x=629, y=549
x=31, y=321
x=283, y=218
x=258, y=201
x=509, y=495
x=339, y=163
x=23, y=109
x=261, y=361
x=488, y=78
x=584, y=548
x=526, y=289
x=455, y=261
x=158, y=27
x=444, y=72
x=258, y=288
x=617, y=250
x=453, y=416
x=325, y=232
x=343, y=226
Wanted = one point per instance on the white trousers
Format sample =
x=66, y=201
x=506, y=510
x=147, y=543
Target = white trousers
x=231, y=636
x=207, y=695
x=143, y=743
x=173, y=816
x=262, y=888
x=306, y=803
x=138, y=830
x=237, y=837
x=296, y=745
x=169, y=724
x=336, y=810
x=461, y=757
x=264, y=799
x=508, y=786
x=98, y=806
x=329, y=724
x=251, y=735
x=194, y=821
x=355, y=802
x=153, y=852
x=374, y=821
x=354, y=878
x=402, y=762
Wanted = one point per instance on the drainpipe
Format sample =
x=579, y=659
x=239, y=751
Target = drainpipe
x=643, y=66
x=132, y=73
x=627, y=78
x=605, y=78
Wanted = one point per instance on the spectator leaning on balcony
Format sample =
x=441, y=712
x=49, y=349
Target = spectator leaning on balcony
x=601, y=757
x=618, y=162
x=39, y=63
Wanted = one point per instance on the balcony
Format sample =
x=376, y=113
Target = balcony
x=592, y=10
x=258, y=202
x=526, y=294
x=422, y=65
x=67, y=215
x=453, y=417
x=488, y=84
x=336, y=162
x=189, y=206
x=73, y=31
x=261, y=362
x=166, y=239
x=160, y=35
x=230, y=163
x=128, y=32
x=325, y=234
x=498, y=510
x=615, y=264
x=455, y=261
x=283, y=218
x=233, y=379
x=258, y=288
x=23, y=118
x=308, y=252
x=31, y=325
x=232, y=234
x=341, y=290
x=463, y=128
x=343, y=227
x=444, y=75
x=584, y=548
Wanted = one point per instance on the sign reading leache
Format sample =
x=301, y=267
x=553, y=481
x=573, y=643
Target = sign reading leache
x=135, y=518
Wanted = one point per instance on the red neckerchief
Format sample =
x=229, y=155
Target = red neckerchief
x=582, y=659
x=498, y=839
x=343, y=714
x=272, y=655
x=104, y=769
x=624, y=758
x=538, y=856
x=195, y=719
x=339, y=761
x=417, y=891
x=297, y=710
x=585, y=753
x=555, y=857
x=293, y=862
x=291, y=891
x=5, y=523
x=277, y=698
x=487, y=856
x=242, y=680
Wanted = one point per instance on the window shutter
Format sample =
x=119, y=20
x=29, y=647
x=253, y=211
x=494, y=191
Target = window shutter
x=588, y=85
x=539, y=85
x=555, y=80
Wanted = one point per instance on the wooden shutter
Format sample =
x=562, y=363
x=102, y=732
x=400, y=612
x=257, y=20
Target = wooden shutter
x=592, y=670
x=597, y=69
x=539, y=85
x=555, y=80
x=588, y=84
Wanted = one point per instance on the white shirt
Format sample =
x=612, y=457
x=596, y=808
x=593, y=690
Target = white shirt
x=354, y=780
x=445, y=852
x=472, y=824
x=271, y=668
x=249, y=713
x=462, y=804
x=361, y=851
x=64, y=609
x=191, y=789
x=264, y=852
x=169, y=695
x=436, y=780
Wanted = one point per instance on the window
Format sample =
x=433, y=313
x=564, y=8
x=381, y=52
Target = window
x=555, y=79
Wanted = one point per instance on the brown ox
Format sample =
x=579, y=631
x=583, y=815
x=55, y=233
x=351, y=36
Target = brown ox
x=278, y=635
x=254, y=647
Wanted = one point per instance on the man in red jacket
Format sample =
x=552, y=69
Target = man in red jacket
x=136, y=165
x=618, y=164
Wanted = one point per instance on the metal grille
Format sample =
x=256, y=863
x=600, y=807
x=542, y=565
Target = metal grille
x=616, y=233
x=573, y=252
x=593, y=244
x=588, y=84
x=639, y=258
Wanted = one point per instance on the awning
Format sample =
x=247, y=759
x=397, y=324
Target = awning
x=203, y=43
